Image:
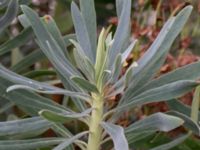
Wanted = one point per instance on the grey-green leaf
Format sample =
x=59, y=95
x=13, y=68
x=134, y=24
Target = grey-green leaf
x=10, y=14
x=152, y=60
x=155, y=122
x=29, y=144
x=89, y=15
x=69, y=141
x=17, y=41
x=84, y=84
x=81, y=32
x=116, y=132
x=49, y=45
x=188, y=72
x=27, y=61
x=162, y=93
x=188, y=122
x=180, y=107
x=121, y=32
x=62, y=117
x=41, y=89
x=195, y=105
x=172, y=144
x=17, y=127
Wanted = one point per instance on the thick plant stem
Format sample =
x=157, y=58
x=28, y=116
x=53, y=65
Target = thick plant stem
x=95, y=120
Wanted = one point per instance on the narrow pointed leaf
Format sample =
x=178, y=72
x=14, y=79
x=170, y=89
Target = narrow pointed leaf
x=121, y=32
x=54, y=31
x=117, y=68
x=40, y=73
x=128, y=51
x=163, y=93
x=17, y=127
x=117, y=134
x=30, y=102
x=84, y=64
x=195, y=105
x=84, y=84
x=17, y=41
x=4, y=4
x=119, y=7
x=100, y=55
x=152, y=60
x=30, y=143
x=89, y=15
x=172, y=144
x=62, y=117
x=155, y=122
x=26, y=83
x=71, y=140
x=9, y=16
x=49, y=45
x=188, y=122
x=180, y=107
x=81, y=32
x=27, y=61
x=48, y=91
x=188, y=72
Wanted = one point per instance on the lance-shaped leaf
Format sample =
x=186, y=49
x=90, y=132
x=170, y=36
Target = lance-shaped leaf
x=117, y=68
x=188, y=122
x=27, y=61
x=195, y=105
x=30, y=143
x=30, y=102
x=24, y=126
x=62, y=117
x=65, y=76
x=17, y=41
x=69, y=141
x=155, y=122
x=162, y=93
x=49, y=45
x=83, y=62
x=121, y=32
x=40, y=73
x=52, y=28
x=180, y=107
x=81, y=32
x=85, y=84
x=117, y=134
x=152, y=60
x=188, y=72
x=172, y=144
x=29, y=84
x=10, y=14
x=89, y=14
x=4, y=3
x=133, y=138
x=128, y=51
x=25, y=2
x=48, y=91
x=119, y=7
x=25, y=23
x=100, y=55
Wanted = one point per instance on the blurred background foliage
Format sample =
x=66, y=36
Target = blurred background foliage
x=148, y=16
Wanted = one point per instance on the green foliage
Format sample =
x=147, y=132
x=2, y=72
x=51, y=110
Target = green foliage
x=90, y=79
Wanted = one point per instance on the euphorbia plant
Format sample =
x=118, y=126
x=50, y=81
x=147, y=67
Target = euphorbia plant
x=91, y=79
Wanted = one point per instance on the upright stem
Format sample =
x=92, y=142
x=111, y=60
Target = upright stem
x=95, y=120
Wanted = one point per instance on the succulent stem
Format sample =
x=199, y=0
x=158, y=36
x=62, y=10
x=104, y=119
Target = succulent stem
x=95, y=120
